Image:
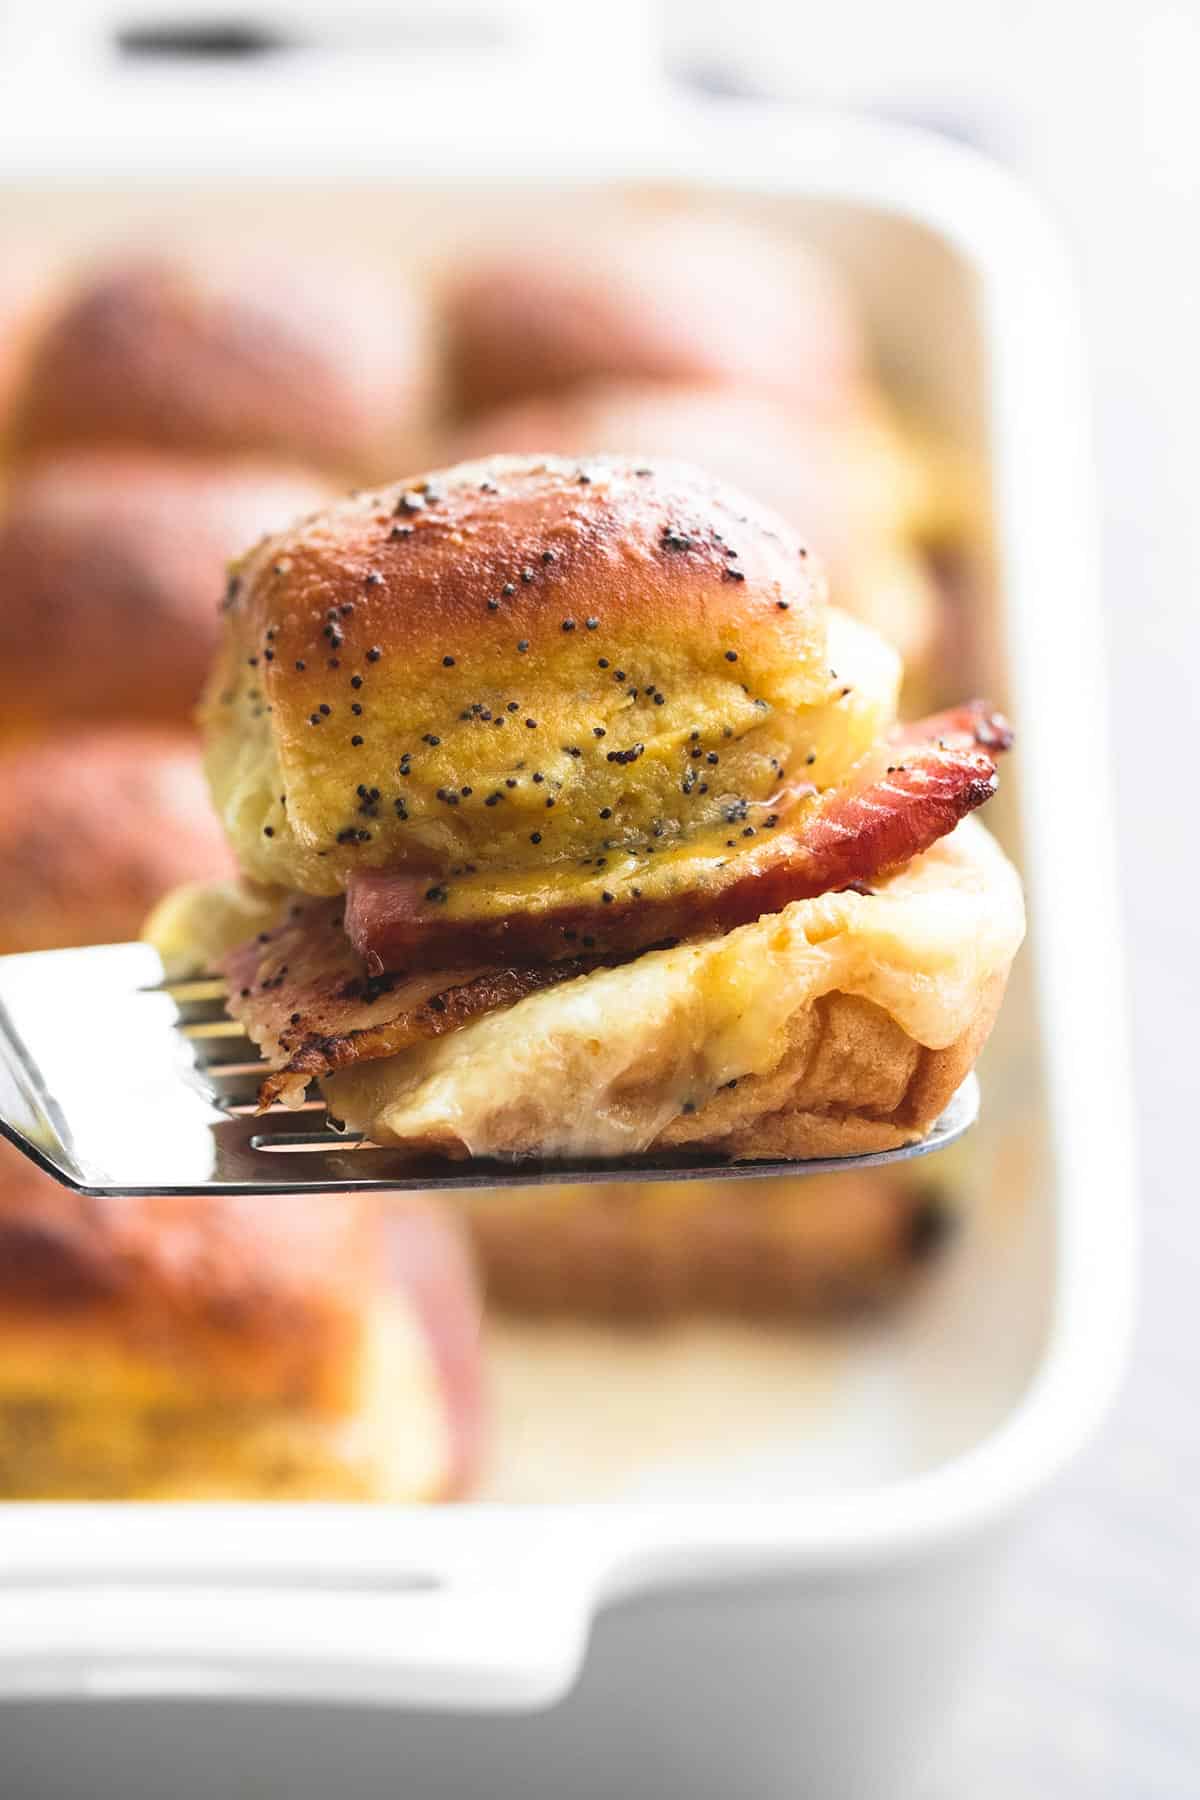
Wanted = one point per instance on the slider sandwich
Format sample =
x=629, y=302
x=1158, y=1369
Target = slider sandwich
x=188, y=1347
x=572, y=820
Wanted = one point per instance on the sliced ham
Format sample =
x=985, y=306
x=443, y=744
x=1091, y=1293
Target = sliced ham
x=305, y=998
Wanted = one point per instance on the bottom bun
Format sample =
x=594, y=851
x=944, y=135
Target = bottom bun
x=837, y=1026
x=852, y=1081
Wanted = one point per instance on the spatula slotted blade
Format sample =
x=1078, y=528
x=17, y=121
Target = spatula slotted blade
x=117, y=1081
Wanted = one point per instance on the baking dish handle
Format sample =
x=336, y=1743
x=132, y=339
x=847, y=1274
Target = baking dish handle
x=509, y=1647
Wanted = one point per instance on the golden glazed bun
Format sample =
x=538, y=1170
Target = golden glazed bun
x=112, y=567
x=838, y=1025
x=301, y=360
x=94, y=827
x=505, y=663
x=864, y=493
x=669, y=298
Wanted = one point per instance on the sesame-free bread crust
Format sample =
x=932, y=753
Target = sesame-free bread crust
x=852, y=1081
x=245, y=1298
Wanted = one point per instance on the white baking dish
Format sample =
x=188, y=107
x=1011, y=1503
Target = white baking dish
x=780, y=1615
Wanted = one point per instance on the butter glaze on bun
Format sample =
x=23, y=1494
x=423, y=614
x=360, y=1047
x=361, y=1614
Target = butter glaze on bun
x=674, y=298
x=94, y=827
x=112, y=567
x=508, y=662
x=315, y=362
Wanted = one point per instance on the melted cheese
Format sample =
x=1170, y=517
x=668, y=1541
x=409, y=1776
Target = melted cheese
x=600, y=1065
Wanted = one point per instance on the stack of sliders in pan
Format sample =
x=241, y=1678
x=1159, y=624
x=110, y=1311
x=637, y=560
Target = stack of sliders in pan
x=218, y=1348
x=573, y=821
x=159, y=417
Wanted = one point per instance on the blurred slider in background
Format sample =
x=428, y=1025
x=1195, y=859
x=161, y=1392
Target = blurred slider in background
x=653, y=1252
x=261, y=1348
x=94, y=823
x=160, y=411
x=716, y=342
x=111, y=566
x=269, y=356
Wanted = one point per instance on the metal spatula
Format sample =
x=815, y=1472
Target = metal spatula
x=117, y=1081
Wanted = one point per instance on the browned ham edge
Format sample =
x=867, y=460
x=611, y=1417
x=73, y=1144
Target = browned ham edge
x=906, y=795
x=304, y=997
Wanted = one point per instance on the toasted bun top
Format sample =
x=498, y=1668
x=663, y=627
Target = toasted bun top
x=94, y=827
x=669, y=298
x=112, y=567
x=321, y=364
x=255, y=1299
x=412, y=677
